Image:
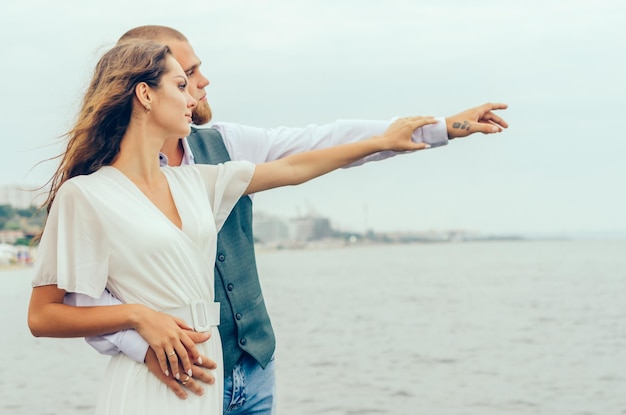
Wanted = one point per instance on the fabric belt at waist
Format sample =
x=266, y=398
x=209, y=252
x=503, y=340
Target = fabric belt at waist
x=201, y=315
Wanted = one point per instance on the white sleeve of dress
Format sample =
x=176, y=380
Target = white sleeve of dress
x=73, y=253
x=225, y=184
x=260, y=145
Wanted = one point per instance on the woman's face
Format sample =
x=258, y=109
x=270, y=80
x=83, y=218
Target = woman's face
x=172, y=104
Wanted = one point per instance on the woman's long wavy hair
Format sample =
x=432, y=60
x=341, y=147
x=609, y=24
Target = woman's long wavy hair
x=106, y=111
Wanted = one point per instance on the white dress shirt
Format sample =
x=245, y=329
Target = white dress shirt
x=260, y=145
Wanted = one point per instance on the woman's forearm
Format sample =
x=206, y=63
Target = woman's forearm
x=309, y=165
x=49, y=317
x=302, y=167
x=166, y=335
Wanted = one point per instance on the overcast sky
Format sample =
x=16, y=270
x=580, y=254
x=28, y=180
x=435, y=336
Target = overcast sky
x=559, y=65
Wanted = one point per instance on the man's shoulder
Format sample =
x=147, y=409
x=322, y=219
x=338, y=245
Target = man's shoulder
x=207, y=145
x=204, y=132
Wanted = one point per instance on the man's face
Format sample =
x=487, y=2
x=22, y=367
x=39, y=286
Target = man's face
x=184, y=54
x=172, y=105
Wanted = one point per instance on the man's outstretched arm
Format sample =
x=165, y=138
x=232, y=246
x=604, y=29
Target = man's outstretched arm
x=260, y=145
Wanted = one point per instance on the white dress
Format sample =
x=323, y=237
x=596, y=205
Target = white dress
x=103, y=232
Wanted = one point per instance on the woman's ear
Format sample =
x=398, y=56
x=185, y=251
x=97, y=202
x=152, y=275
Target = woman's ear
x=142, y=92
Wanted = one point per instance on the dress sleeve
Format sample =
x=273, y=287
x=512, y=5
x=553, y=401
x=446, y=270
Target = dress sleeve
x=73, y=253
x=225, y=184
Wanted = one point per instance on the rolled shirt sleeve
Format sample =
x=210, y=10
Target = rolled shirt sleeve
x=128, y=342
x=260, y=145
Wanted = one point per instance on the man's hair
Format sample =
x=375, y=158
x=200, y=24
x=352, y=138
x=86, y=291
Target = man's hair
x=154, y=33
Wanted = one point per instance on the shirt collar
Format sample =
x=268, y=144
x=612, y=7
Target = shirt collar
x=187, y=155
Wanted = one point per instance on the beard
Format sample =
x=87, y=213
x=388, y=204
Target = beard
x=202, y=113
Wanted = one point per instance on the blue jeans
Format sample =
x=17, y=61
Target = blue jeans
x=250, y=389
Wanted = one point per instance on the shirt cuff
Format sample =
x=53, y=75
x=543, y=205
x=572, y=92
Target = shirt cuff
x=434, y=134
x=133, y=345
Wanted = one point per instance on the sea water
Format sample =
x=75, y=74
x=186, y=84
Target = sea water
x=483, y=328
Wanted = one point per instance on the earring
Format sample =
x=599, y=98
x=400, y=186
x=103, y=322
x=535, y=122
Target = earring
x=148, y=108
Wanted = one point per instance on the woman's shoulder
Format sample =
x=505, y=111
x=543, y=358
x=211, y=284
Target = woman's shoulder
x=98, y=175
x=226, y=170
x=227, y=165
x=210, y=169
x=80, y=190
x=90, y=182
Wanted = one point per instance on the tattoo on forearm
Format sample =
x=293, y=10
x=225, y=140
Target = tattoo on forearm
x=464, y=126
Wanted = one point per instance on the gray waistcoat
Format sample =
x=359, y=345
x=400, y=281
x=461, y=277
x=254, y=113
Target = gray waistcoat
x=245, y=325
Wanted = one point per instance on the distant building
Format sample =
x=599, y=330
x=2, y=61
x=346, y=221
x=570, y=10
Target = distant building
x=11, y=236
x=309, y=228
x=269, y=229
x=273, y=230
x=19, y=196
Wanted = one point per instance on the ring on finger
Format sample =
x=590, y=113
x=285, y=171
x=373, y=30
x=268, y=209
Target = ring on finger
x=171, y=354
x=184, y=382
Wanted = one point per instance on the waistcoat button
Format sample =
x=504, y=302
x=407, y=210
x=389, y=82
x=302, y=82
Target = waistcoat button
x=238, y=316
x=230, y=287
x=243, y=342
x=221, y=257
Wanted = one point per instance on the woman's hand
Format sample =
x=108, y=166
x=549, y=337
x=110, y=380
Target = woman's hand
x=171, y=343
x=398, y=136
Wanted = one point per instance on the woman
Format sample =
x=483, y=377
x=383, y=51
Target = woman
x=147, y=234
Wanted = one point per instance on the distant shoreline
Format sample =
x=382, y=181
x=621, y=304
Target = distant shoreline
x=13, y=267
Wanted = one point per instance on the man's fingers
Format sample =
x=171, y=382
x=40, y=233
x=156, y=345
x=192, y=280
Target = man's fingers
x=494, y=119
x=484, y=127
x=176, y=387
x=181, y=323
x=199, y=337
x=153, y=366
x=192, y=385
x=486, y=114
x=500, y=127
x=202, y=375
x=491, y=106
x=205, y=362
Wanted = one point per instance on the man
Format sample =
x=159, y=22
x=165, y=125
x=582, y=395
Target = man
x=245, y=328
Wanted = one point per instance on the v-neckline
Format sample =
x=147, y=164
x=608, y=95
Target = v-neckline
x=151, y=203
